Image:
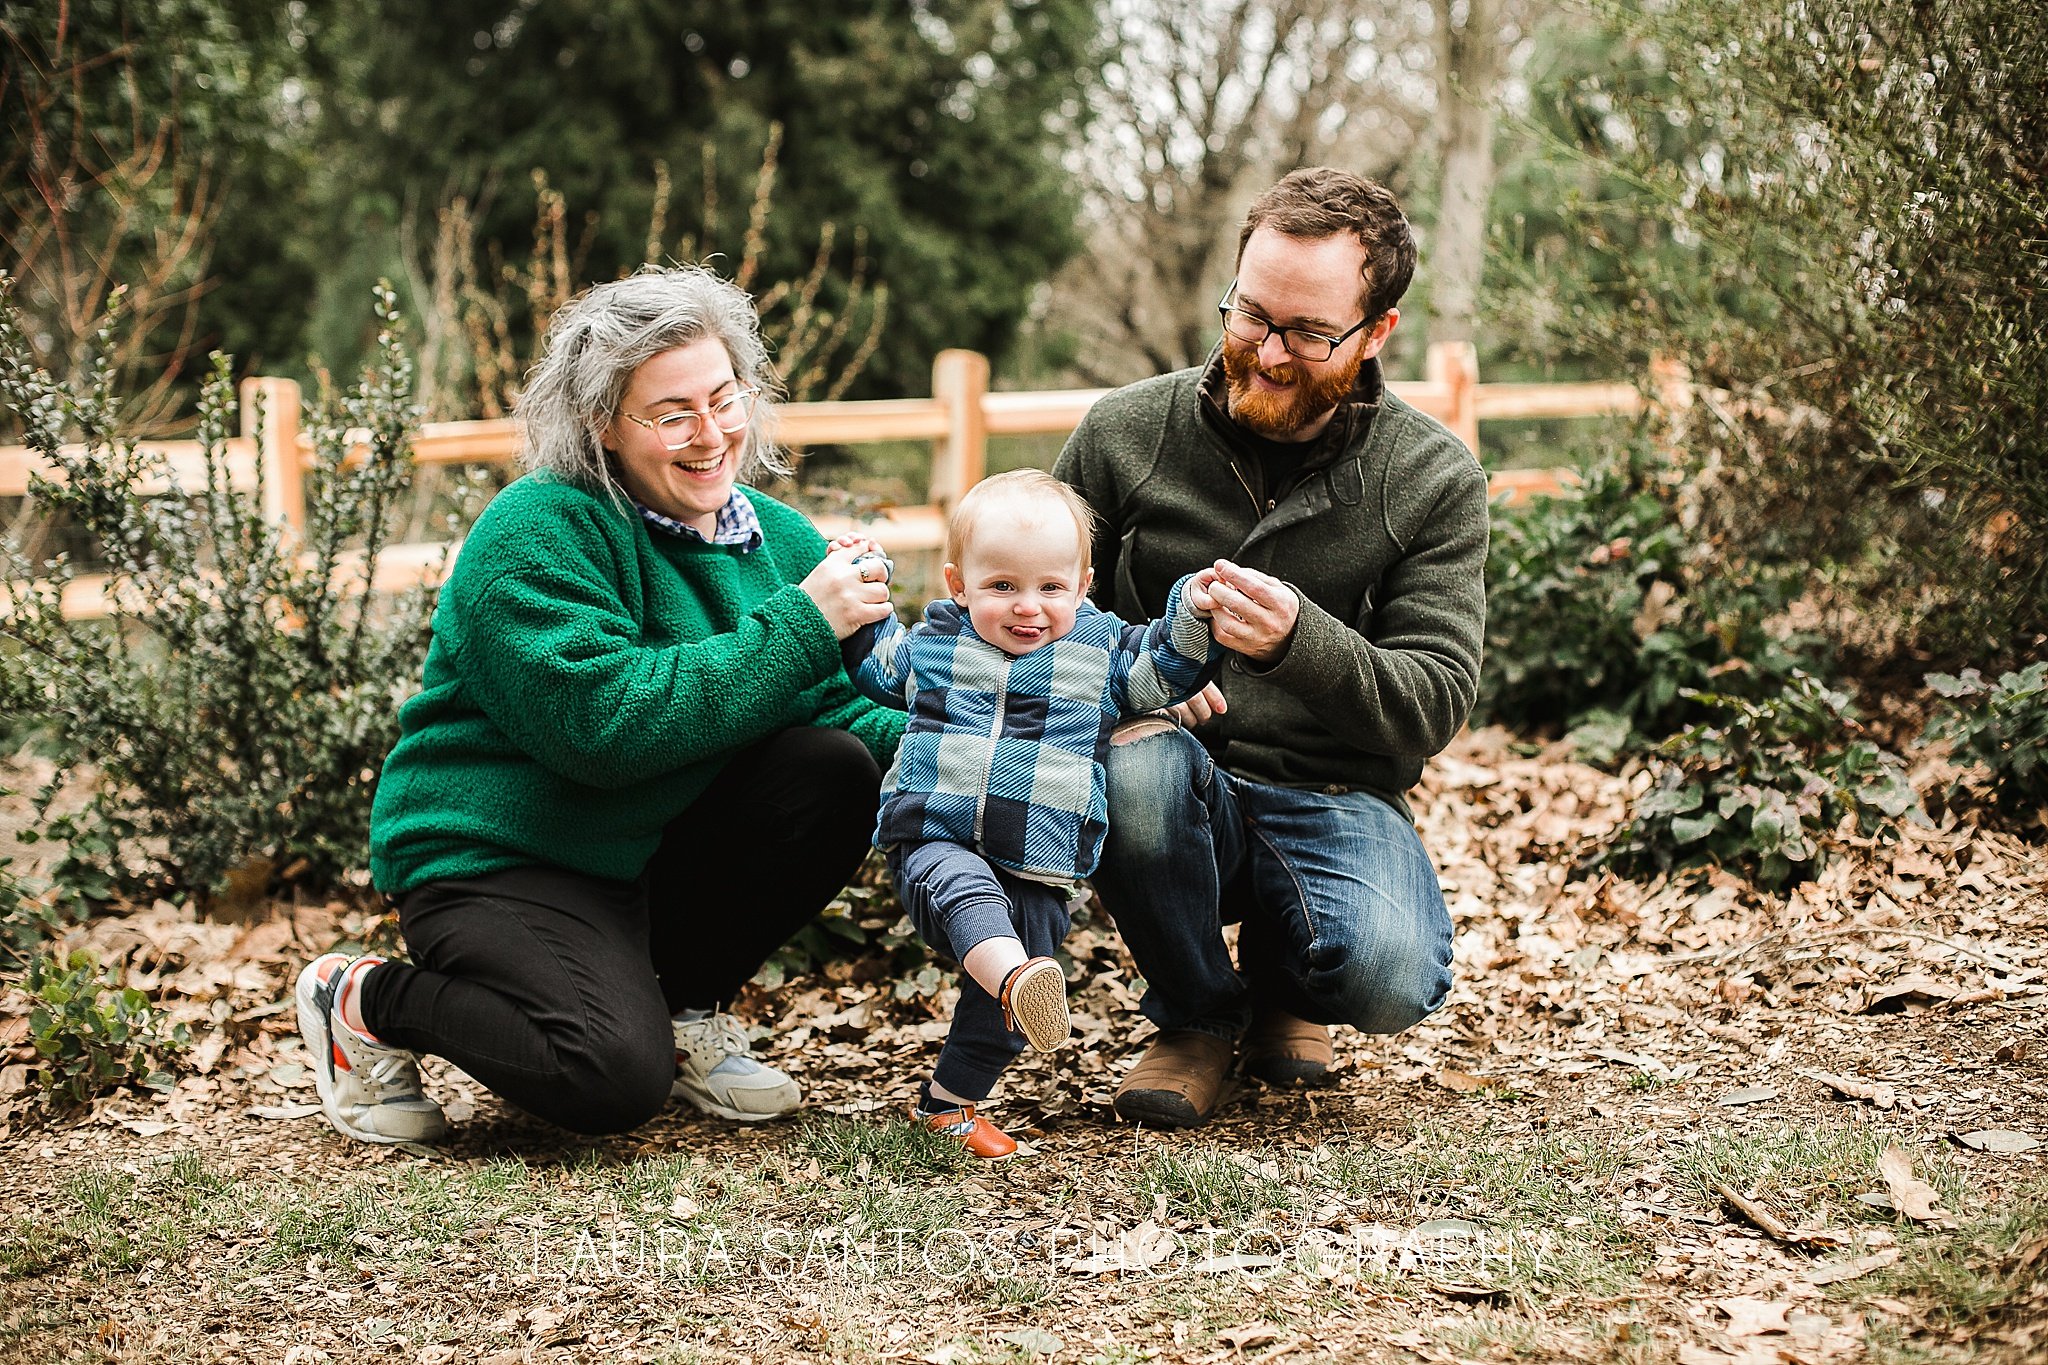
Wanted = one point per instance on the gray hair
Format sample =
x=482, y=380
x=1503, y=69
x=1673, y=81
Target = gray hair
x=599, y=338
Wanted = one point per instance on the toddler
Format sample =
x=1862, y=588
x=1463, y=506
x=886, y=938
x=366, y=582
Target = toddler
x=995, y=807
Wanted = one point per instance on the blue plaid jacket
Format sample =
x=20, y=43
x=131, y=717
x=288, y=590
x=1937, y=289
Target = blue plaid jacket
x=1004, y=754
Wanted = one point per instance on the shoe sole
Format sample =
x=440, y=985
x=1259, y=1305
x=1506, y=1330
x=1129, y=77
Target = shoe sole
x=311, y=1016
x=1159, y=1108
x=717, y=1110
x=1038, y=1004
x=1287, y=1073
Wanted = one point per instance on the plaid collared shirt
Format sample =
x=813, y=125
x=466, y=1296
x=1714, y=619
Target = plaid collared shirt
x=1004, y=753
x=737, y=524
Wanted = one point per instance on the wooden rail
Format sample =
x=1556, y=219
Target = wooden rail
x=958, y=419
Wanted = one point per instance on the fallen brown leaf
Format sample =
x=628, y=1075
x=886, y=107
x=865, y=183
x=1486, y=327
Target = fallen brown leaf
x=1250, y=1334
x=2001, y=1140
x=1837, y=1271
x=1750, y=1317
x=1910, y=1195
x=1876, y=1092
x=1908, y=992
x=1747, y=1094
x=1458, y=1080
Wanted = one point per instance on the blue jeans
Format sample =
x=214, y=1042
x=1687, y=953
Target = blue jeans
x=1341, y=917
x=958, y=899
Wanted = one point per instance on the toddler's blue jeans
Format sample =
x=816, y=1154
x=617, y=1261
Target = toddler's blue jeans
x=958, y=899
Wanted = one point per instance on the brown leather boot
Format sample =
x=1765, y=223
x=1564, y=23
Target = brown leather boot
x=1285, y=1051
x=1177, y=1082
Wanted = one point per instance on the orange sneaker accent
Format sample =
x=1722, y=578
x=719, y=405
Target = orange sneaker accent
x=980, y=1137
x=350, y=982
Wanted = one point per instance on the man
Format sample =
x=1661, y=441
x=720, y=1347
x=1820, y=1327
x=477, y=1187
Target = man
x=1275, y=799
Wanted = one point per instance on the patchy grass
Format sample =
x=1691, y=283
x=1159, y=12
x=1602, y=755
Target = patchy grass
x=893, y=1149
x=1809, y=1175
x=1214, y=1185
x=1992, y=1272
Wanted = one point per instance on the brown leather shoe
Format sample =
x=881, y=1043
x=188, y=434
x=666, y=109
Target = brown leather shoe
x=1034, y=1002
x=1177, y=1082
x=1288, y=1052
x=980, y=1137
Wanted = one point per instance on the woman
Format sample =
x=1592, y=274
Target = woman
x=636, y=766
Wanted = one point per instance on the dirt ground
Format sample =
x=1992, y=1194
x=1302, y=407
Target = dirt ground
x=1674, y=1121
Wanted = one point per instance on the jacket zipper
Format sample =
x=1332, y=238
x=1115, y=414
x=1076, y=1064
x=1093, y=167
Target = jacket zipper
x=995, y=735
x=1257, y=515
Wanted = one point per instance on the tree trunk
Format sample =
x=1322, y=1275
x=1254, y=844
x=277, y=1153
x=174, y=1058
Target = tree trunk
x=1471, y=48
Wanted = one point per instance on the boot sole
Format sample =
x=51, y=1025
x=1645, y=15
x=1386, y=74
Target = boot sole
x=1038, y=1003
x=1160, y=1109
x=1288, y=1073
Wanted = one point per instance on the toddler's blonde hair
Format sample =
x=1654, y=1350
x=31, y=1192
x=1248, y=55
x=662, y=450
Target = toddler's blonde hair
x=1019, y=485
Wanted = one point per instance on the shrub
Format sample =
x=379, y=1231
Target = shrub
x=1760, y=785
x=232, y=713
x=31, y=912
x=864, y=921
x=90, y=1032
x=1603, y=615
x=2004, y=727
x=1859, y=304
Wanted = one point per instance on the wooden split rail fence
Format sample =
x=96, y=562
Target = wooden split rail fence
x=958, y=419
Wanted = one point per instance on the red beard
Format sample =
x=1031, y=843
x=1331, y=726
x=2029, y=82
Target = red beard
x=1278, y=416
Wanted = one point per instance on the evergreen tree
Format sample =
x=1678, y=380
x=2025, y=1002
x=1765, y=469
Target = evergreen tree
x=933, y=127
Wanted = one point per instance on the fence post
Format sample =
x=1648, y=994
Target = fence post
x=276, y=434
x=1455, y=365
x=959, y=382
x=1671, y=392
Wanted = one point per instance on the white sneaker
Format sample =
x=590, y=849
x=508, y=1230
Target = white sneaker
x=715, y=1072
x=369, y=1091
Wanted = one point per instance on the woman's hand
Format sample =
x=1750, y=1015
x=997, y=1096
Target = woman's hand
x=846, y=597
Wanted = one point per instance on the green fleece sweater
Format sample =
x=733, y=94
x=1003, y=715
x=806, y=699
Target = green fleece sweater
x=1382, y=537
x=588, y=677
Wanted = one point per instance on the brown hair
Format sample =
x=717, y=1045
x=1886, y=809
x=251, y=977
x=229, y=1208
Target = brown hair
x=1321, y=201
x=1018, y=485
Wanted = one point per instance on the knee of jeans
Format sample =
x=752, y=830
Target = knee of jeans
x=1383, y=987
x=1149, y=783
x=613, y=1090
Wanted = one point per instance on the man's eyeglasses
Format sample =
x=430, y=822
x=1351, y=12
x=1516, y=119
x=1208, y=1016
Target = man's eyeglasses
x=678, y=430
x=1301, y=343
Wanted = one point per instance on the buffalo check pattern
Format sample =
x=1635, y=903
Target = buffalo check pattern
x=1004, y=753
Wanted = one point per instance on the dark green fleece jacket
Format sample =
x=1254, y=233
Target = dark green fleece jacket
x=1382, y=537
x=588, y=677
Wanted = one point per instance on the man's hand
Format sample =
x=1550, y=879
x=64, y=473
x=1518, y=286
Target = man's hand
x=1249, y=612
x=1196, y=710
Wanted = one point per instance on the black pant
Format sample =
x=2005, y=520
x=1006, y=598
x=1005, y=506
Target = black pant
x=554, y=989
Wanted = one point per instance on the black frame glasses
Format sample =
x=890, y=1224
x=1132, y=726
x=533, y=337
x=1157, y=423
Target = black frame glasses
x=1253, y=330
x=688, y=424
